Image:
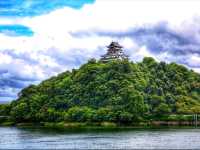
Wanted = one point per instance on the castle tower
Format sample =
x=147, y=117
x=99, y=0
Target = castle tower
x=114, y=52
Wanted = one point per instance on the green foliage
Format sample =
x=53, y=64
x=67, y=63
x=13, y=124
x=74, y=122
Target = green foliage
x=180, y=118
x=116, y=91
x=186, y=104
x=20, y=112
x=4, y=109
x=80, y=114
x=162, y=109
x=104, y=114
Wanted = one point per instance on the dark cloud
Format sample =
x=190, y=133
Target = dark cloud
x=13, y=76
x=158, y=39
x=11, y=84
x=74, y=57
x=25, y=56
x=6, y=92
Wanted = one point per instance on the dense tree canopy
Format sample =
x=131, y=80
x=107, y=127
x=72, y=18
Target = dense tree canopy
x=118, y=91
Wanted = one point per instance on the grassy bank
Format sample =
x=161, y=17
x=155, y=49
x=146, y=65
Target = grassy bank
x=102, y=125
x=148, y=122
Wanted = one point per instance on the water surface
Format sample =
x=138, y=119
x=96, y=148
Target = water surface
x=34, y=138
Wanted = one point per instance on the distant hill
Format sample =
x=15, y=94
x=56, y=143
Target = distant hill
x=117, y=91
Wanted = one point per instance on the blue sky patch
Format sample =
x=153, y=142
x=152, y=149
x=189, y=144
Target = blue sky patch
x=16, y=30
x=23, y=8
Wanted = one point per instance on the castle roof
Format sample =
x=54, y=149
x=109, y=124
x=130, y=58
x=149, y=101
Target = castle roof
x=114, y=45
x=114, y=52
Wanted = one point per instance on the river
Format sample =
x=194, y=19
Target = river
x=36, y=138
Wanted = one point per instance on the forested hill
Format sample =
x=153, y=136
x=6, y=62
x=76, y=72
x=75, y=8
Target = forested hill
x=118, y=91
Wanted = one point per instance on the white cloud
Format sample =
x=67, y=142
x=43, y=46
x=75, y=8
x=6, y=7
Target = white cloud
x=194, y=60
x=118, y=15
x=53, y=29
x=5, y=59
x=52, y=41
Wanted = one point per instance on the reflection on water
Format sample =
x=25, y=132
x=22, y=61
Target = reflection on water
x=16, y=138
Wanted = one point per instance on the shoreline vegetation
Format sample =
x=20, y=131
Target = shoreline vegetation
x=188, y=122
x=118, y=93
x=103, y=125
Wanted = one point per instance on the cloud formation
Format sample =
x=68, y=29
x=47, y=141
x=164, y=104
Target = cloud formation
x=24, y=8
x=64, y=38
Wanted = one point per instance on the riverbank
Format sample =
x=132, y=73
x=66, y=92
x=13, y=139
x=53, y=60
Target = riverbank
x=103, y=125
x=153, y=122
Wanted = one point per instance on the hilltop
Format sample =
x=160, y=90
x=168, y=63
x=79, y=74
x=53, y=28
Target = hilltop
x=117, y=91
x=112, y=89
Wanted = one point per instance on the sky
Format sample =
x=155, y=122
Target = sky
x=41, y=38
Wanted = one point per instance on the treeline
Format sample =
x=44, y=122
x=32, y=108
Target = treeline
x=117, y=91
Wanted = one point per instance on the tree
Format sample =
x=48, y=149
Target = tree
x=162, y=109
x=4, y=109
x=149, y=61
x=79, y=114
x=125, y=117
x=20, y=112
